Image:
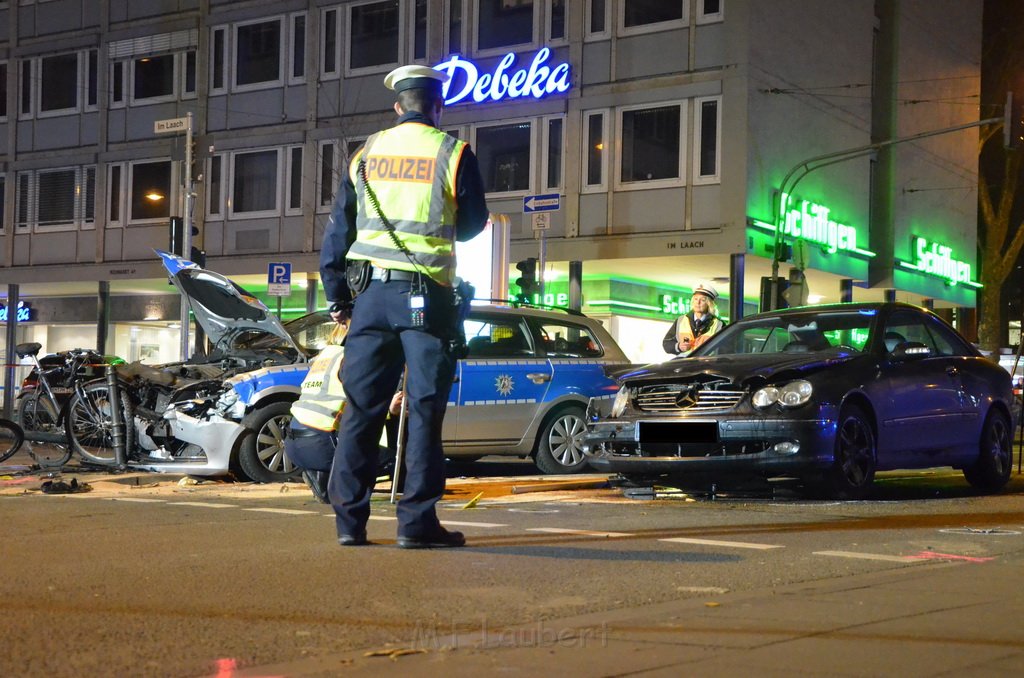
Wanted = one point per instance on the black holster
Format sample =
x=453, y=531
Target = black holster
x=357, y=274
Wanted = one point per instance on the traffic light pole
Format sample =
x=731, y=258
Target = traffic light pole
x=186, y=236
x=802, y=169
x=540, y=265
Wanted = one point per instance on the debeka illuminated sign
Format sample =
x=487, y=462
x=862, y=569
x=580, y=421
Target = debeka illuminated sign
x=536, y=80
x=814, y=223
x=937, y=259
x=23, y=316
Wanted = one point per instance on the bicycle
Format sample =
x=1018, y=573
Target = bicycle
x=40, y=411
x=11, y=439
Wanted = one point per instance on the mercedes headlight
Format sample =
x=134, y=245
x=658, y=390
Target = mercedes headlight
x=620, y=403
x=793, y=394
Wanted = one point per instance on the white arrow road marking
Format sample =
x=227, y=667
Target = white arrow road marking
x=867, y=556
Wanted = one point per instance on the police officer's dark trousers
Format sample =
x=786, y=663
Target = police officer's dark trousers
x=381, y=340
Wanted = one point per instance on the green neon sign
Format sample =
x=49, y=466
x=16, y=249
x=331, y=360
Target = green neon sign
x=935, y=258
x=812, y=222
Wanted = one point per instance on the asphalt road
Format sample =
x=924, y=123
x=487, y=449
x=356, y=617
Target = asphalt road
x=142, y=576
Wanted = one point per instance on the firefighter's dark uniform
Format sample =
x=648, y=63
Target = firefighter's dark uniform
x=429, y=188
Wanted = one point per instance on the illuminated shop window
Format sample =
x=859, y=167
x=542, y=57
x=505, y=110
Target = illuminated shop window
x=503, y=23
x=652, y=144
x=254, y=181
x=373, y=35
x=504, y=155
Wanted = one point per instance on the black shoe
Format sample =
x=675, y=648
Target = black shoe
x=439, y=540
x=317, y=482
x=353, y=540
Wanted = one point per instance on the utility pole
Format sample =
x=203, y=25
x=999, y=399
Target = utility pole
x=186, y=236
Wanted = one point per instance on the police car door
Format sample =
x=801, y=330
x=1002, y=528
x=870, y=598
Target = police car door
x=502, y=382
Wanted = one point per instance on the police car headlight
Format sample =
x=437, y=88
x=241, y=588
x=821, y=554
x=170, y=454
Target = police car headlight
x=621, y=402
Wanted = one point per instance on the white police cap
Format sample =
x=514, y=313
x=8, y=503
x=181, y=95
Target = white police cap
x=409, y=77
x=707, y=290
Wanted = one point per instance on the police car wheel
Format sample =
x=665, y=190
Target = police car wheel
x=559, y=447
x=261, y=454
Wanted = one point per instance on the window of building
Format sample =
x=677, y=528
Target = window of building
x=330, y=46
x=57, y=199
x=642, y=16
x=150, y=193
x=58, y=84
x=153, y=78
x=709, y=11
x=297, y=71
x=114, y=189
x=329, y=175
x=651, y=141
x=117, y=71
x=257, y=55
x=27, y=87
x=557, y=22
x=254, y=181
x=3, y=91
x=373, y=35
x=419, y=30
x=708, y=137
x=504, y=155
x=554, y=142
x=215, y=187
x=504, y=23
x=3, y=187
x=218, y=61
x=188, y=86
x=456, y=10
x=295, y=182
x=597, y=20
x=91, y=80
x=595, y=157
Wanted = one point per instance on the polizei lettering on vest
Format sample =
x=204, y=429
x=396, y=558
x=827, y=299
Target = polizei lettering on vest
x=536, y=81
x=400, y=168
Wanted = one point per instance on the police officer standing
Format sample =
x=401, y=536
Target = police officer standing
x=388, y=260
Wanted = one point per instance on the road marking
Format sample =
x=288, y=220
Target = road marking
x=585, y=533
x=287, y=512
x=378, y=517
x=466, y=524
x=932, y=555
x=726, y=544
x=866, y=556
x=140, y=500
x=202, y=504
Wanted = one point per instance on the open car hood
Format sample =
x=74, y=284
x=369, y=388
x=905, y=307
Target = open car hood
x=225, y=311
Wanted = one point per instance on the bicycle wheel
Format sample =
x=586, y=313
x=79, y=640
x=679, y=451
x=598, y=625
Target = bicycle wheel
x=11, y=437
x=89, y=426
x=37, y=414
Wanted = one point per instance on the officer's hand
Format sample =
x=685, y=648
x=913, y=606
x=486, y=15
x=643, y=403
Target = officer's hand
x=340, y=313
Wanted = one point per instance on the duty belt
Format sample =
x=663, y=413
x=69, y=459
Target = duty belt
x=386, y=274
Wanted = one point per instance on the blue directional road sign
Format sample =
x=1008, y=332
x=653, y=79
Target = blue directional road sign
x=548, y=202
x=279, y=279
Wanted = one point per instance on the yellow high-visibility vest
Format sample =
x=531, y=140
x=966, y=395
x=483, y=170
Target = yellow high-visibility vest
x=411, y=169
x=322, y=399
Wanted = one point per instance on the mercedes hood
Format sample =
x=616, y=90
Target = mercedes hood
x=225, y=311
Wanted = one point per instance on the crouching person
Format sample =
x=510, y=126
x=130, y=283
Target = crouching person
x=312, y=434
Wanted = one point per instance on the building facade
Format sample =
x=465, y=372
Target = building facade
x=672, y=136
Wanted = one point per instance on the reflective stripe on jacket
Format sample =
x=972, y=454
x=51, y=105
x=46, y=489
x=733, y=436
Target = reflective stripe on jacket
x=411, y=169
x=322, y=399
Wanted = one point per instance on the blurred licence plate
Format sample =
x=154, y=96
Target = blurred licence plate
x=678, y=432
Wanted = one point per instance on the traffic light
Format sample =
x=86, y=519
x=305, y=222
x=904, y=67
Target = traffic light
x=177, y=241
x=527, y=280
x=1013, y=120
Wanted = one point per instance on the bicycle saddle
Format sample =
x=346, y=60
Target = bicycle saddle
x=25, y=350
